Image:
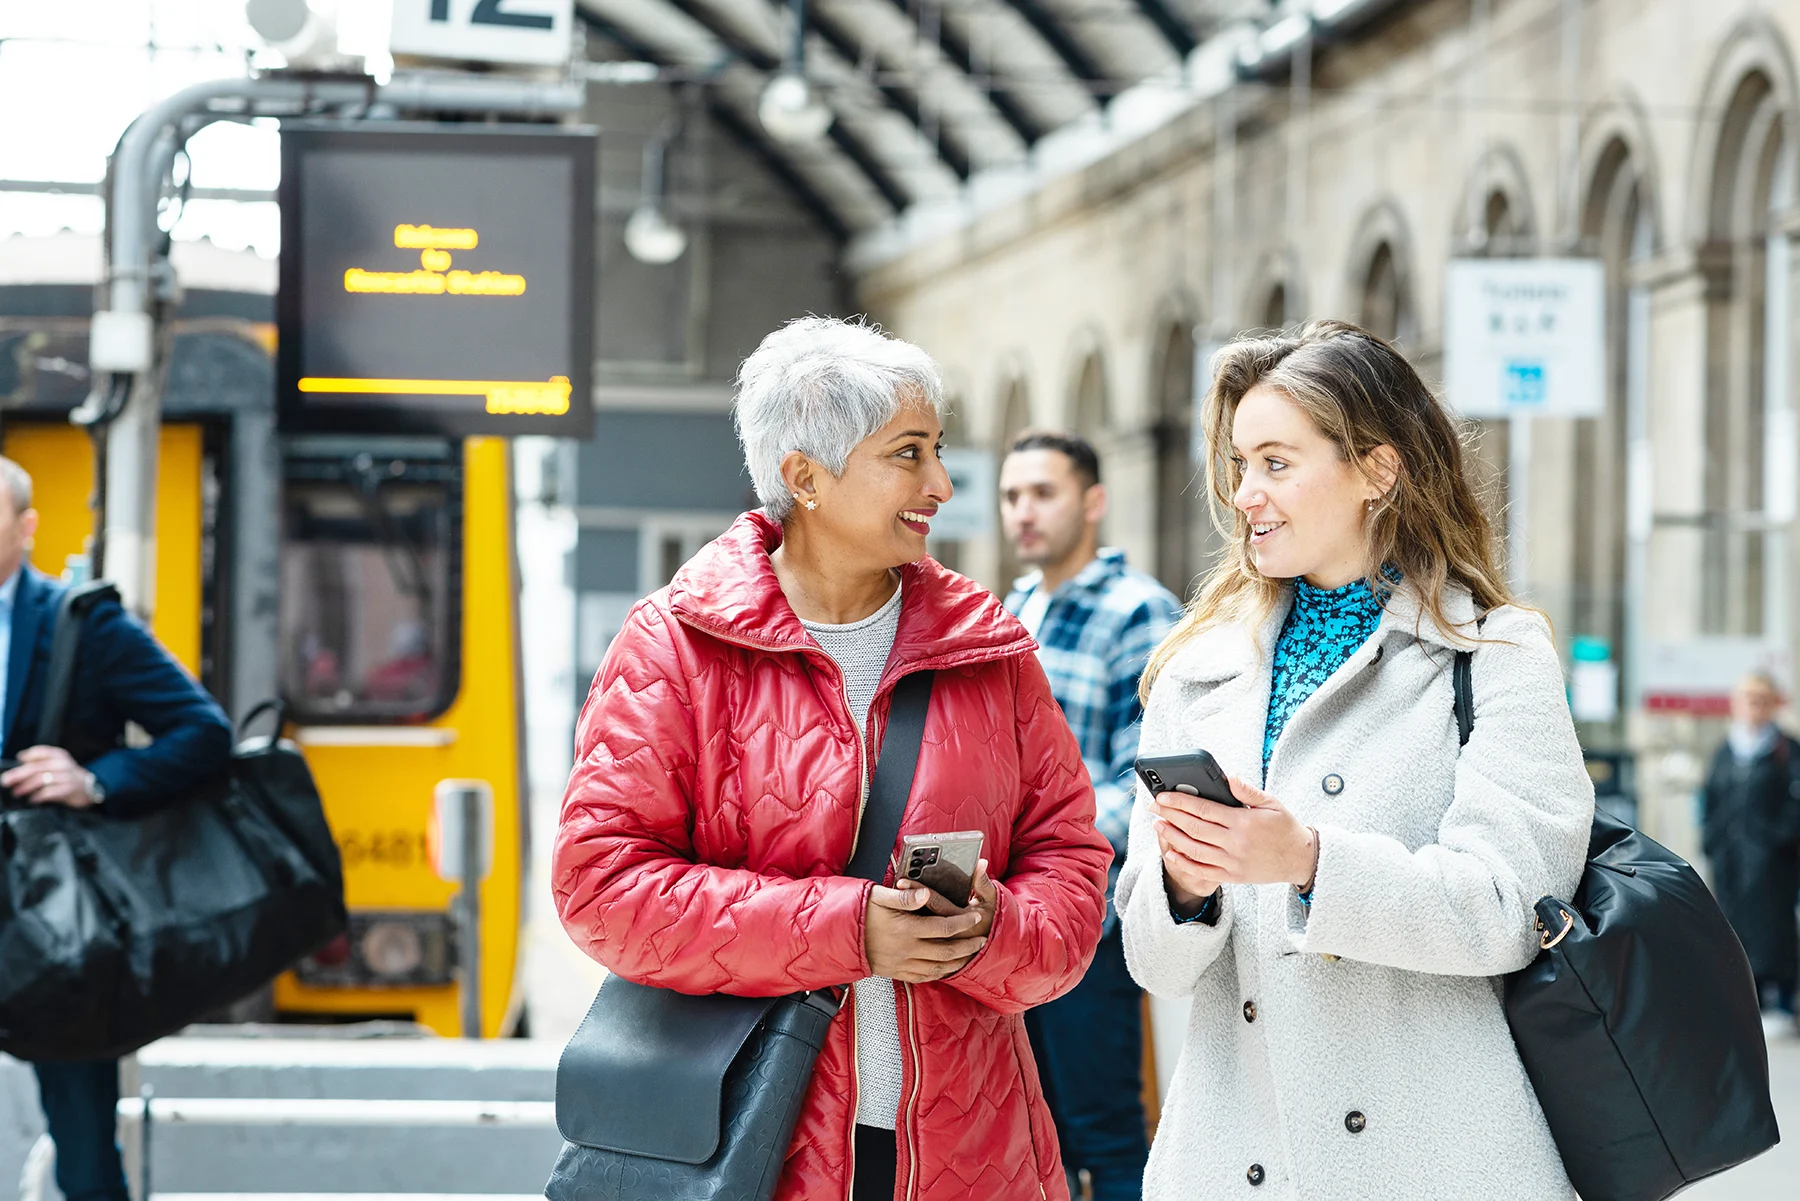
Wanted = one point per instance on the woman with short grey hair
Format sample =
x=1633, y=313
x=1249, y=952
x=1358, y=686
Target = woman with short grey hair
x=726, y=749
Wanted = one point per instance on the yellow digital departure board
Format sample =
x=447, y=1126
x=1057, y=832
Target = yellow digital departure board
x=436, y=279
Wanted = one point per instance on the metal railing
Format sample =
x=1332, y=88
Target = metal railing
x=147, y=1111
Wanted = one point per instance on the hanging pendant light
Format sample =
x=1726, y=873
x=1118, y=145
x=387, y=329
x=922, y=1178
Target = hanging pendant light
x=790, y=108
x=650, y=236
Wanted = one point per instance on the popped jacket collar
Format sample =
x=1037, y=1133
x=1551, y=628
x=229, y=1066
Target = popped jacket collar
x=1234, y=648
x=729, y=590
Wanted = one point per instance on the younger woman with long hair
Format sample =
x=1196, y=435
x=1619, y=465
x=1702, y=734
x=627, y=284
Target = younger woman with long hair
x=1342, y=933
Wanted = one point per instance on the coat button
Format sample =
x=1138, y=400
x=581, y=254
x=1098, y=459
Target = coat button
x=1255, y=1174
x=1249, y=1011
x=1332, y=784
x=1354, y=1122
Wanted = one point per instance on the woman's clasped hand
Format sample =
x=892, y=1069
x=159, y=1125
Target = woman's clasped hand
x=1205, y=844
x=912, y=934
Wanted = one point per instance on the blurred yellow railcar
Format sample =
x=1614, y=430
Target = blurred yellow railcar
x=371, y=584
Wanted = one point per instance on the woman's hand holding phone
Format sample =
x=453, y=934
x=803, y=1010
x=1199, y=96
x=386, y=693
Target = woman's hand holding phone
x=1205, y=844
x=911, y=933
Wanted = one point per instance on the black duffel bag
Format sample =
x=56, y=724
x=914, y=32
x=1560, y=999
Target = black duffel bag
x=1638, y=1022
x=117, y=931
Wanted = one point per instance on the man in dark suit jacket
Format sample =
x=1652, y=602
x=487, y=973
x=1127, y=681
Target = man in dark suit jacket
x=122, y=674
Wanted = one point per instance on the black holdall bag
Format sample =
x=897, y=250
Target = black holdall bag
x=663, y=1096
x=117, y=931
x=1638, y=1022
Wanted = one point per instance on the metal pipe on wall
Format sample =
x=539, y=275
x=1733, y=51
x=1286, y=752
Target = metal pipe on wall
x=126, y=335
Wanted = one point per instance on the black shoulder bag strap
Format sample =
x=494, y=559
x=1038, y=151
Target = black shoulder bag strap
x=1462, y=682
x=70, y=614
x=895, y=768
x=648, y=1076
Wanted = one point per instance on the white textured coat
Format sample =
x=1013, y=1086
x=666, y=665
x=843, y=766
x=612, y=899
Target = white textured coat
x=1360, y=1050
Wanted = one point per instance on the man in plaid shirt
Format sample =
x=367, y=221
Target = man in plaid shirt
x=1096, y=622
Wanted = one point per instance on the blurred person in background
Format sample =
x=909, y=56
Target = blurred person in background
x=1096, y=622
x=122, y=674
x=1750, y=830
x=1343, y=927
x=723, y=757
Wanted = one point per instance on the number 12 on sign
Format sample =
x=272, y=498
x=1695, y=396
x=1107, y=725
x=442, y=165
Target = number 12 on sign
x=498, y=31
x=490, y=12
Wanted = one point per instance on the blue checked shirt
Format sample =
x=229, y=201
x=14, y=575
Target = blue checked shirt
x=1095, y=638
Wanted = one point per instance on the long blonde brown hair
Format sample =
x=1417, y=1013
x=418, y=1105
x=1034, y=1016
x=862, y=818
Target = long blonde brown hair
x=1360, y=393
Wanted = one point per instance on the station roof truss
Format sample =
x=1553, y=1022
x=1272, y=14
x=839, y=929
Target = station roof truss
x=924, y=93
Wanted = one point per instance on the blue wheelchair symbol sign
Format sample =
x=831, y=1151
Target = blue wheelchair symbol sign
x=1523, y=382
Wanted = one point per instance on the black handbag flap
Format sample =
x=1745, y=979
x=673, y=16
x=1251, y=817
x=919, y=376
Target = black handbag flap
x=662, y=1057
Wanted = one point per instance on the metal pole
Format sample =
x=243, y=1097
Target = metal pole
x=1518, y=499
x=1781, y=433
x=1299, y=130
x=1640, y=463
x=146, y=1094
x=127, y=540
x=473, y=855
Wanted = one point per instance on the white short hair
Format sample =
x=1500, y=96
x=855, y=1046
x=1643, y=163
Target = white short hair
x=16, y=482
x=820, y=385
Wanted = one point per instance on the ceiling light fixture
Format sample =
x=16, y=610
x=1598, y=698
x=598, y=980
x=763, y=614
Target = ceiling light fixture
x=650, y=236
x=790, y=109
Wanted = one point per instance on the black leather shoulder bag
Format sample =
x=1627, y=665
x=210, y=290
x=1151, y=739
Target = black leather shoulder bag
x=1637, y=1023
x=661, y=1096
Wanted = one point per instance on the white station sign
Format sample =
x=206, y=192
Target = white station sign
x=488, y=31
x=1525, y=336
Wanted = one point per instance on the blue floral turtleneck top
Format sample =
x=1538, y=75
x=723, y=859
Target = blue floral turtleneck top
x=1322, y=630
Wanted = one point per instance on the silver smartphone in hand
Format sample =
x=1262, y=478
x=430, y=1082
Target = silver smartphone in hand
x=944, y=863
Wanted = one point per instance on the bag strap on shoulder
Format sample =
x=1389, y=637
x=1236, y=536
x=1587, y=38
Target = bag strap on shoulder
x=1462, y=682
x=893, y=781
x=64, y=643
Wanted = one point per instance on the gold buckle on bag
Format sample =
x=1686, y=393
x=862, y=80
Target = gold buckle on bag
x=1545, y=942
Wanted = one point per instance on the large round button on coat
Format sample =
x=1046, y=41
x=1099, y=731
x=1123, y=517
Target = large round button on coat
x=1354, y=1122
x=1255, y=1174
x=1249, y=1011
x=1332, y=784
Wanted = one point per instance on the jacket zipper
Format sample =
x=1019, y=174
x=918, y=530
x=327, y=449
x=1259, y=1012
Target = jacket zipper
x=850, y=1126
x=912, y=1099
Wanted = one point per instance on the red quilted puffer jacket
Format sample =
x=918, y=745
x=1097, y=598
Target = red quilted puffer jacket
x=716, y=797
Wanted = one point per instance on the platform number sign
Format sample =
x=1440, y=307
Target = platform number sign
x=496, y=31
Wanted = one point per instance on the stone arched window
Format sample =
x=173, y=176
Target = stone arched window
x=1014, y=411
x=1180, y=503
x=1496, y=218
x=1091, y=413
x=1616, y=224
x=1749, y=409
x=1275, y=310
x=1381, y=299
x=1380, y=292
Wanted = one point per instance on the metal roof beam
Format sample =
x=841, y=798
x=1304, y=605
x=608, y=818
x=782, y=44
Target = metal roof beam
x=744, y=132
x=853, y=148
x=903, y=100
x=1073, y=55
x=956, y=48
x=1174, y=30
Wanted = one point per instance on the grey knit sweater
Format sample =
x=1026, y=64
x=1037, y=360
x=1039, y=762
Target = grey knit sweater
x=860, y=650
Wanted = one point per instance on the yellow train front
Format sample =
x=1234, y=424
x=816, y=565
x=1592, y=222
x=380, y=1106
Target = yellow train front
x=369, y=582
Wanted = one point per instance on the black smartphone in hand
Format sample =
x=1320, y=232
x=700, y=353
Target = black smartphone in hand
x=1195, y=773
